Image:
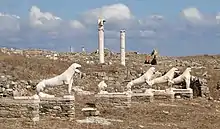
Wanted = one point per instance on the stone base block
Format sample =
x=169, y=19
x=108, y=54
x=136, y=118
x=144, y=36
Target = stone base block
x=58, y=106
x=20, y=107
x=141, y=97
x=183, y=92
x=163, y=95
x=70, y=97
x=32, y=107
x=34, y=97
x=113, y=99
x=90, y=112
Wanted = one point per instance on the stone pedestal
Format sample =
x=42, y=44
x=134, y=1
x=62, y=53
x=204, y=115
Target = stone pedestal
x=20, y=107
x=90, y=112
x=163, y=95
x=58, y=107
x=183, y=92
x=142, y=97
x=113, y=99
x=33, y=108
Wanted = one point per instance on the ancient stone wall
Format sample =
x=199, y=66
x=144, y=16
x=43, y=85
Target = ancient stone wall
x=25, y=108
x=34, y=109
x=57, y=107
x=113, y=100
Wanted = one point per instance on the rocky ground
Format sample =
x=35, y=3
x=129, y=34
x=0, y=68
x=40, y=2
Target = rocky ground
x=22, y=70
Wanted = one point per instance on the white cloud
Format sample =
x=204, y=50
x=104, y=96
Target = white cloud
x=192, y=14
x=9, y=22
x=157, y=17
x=149, y=23
x=48, y=21
x=154, y=29
x=111, y=13
x=112, y=34
x=11, y=16
x=44, y=20
x=147, y=33
x=76, y=24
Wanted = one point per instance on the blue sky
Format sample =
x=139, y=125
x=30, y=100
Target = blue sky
x=176, y=28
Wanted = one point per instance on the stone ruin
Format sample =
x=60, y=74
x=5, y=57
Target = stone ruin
x=198, y=87
x=13, y=102
x=18, y=103
x=34, y=108
x=14, y=105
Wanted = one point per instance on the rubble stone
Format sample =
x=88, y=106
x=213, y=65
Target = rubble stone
x=116, y=77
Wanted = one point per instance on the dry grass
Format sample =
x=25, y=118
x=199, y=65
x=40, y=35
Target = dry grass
x=196, y=114
x=31, y=68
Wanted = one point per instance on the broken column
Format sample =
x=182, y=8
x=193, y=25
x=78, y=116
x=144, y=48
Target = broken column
x=122, y=46
x=101, y=40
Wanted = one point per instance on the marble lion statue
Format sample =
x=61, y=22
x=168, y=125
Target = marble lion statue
x=165, y=78
x=146, y=77
x=65, y=78
x=186, y=76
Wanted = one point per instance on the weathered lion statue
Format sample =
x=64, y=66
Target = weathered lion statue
x=186, y=76
x=145, y=78
x=65, y=78
x=165, y=78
